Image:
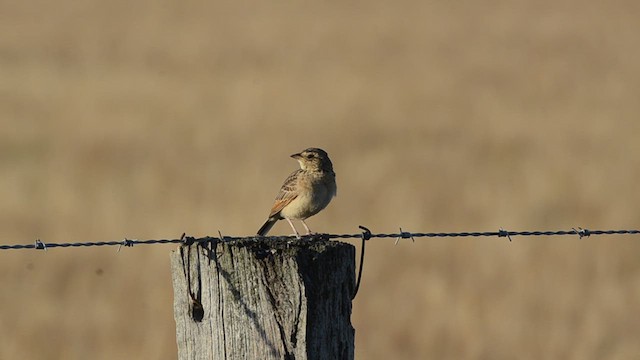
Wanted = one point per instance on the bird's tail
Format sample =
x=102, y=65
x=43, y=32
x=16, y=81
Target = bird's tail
x=267, y=226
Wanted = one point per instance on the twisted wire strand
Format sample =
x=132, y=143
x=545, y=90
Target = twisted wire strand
x=365, y=234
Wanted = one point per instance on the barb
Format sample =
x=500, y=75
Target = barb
x=366, y=235
x=404, y=235
x=126, y=243
x=504, y=233
x=582, y=232
x=40, y=245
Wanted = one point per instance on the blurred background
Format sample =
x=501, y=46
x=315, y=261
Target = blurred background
x=148, y=119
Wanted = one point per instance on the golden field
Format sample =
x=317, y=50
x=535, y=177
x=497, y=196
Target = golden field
x=149, y=119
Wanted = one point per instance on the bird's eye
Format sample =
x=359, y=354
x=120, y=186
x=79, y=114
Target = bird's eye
x=309, y=156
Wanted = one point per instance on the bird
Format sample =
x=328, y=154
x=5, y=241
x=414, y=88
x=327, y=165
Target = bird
x=305, y=192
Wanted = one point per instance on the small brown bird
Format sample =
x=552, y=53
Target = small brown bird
x=305, y=192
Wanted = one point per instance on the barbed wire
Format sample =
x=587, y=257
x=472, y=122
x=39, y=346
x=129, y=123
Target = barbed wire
x=364, y=235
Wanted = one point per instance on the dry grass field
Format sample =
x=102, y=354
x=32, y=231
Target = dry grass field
x=149, y=119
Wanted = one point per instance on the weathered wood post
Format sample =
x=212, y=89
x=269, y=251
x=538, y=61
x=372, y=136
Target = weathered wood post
x=264, y=299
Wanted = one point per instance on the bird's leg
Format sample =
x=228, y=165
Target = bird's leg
x=306, y=227
x=294, y=228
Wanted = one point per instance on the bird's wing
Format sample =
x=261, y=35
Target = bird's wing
x=288, y=192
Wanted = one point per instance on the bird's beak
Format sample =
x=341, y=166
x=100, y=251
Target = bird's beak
x=296, y=156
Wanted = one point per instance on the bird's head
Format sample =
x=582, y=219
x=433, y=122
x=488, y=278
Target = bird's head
x=314, y=159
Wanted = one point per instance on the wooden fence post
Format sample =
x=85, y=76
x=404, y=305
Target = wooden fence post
x=264, y=299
